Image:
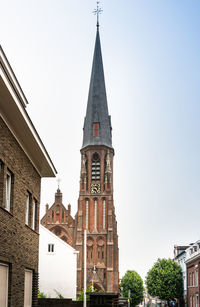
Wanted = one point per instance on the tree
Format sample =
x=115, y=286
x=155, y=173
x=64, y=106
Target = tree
x=133, y=282
x=165, y=280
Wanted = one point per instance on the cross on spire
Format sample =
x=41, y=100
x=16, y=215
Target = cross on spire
x=97, y=12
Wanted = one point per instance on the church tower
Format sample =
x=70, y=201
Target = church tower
x=96, y=211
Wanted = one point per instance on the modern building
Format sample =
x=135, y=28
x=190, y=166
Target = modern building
x=23, y=162
x=193, y=274
x=57, y=266
x=96, y=211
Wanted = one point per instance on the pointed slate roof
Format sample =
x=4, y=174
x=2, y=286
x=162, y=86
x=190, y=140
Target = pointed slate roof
x=97, y=108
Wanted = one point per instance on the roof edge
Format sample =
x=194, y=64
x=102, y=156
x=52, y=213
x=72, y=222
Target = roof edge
x=12, y=78
x=17, y=100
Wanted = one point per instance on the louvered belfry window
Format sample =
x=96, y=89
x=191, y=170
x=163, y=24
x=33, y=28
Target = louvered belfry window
x=96, y=129
x=95, y=167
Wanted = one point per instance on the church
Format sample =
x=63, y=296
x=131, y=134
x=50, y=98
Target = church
x=96, y=211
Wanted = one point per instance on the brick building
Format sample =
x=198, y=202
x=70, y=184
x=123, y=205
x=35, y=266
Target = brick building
x=23, y=161
x=96, y=211
x=193, y=274
x=180, y=257
x=58, y=219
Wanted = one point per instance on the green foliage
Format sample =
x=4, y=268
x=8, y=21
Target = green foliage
x=89, y=289
x=41, y=294
x=165, y=280
x=133, y=282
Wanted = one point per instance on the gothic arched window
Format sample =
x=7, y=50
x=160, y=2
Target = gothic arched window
x=90, y=243
x=95, y=167
x=86, y=213
x=101, y=249
x=104, y=214
x=57, y=213
x=95, y=214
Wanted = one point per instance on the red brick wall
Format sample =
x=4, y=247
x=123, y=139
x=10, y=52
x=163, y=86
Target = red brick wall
x=193, y=289
x=18, y=242
x=106, y=269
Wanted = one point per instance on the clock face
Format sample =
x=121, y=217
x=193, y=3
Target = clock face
x=95, y=188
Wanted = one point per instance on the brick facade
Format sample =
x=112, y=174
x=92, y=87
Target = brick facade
x=193, y=282
x=18, y=242
x=96, y=213
x=23, y=162
x=58, y=219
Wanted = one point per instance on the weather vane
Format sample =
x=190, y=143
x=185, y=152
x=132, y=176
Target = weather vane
x=97, y=12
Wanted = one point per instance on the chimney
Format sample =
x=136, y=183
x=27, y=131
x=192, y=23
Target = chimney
x=47, y=208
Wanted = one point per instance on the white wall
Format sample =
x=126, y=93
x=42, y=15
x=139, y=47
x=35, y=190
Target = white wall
x=181, y=262
x=57, y=271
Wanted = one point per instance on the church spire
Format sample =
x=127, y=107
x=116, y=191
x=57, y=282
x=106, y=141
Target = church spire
x=97, y=125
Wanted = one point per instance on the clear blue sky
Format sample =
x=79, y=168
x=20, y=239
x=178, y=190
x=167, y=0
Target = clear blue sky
x=152, y=68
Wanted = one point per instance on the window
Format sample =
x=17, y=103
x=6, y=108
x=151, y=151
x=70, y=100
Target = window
x=196, y=277
x=102, y=253
x=86, y=214
x=3, y=285
x=90, y=243
x=1, y=182
x=190, y=301
x=193, y=279
x=34, y=213
x=58, y=213
x=104, y=214
x=51, y=248
x=8, y=190
x=96, y=129
x=95, y=214
x=190, y=279
x=100, y=246
x=95, y=167
x=28, y=202
x=28, y=288
x=197, y=300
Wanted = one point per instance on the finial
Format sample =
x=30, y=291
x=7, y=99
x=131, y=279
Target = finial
x=97, y=12
x=59, y=180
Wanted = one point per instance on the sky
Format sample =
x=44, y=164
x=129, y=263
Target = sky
x=151, y=61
